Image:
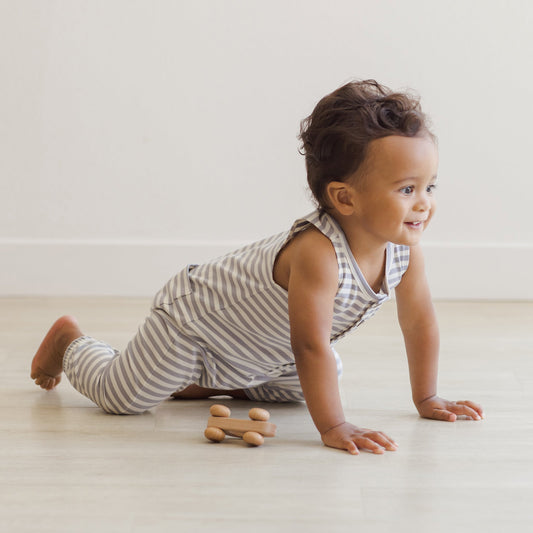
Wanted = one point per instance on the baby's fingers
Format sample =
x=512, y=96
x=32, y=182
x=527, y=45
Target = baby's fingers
x=455, y=409
x=467, y=408
x=370, y=445
x=385, y=441
x=352, y=448
x=376, y=442
x=443, y=414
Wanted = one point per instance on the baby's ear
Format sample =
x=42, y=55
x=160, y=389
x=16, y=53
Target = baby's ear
x=342, y=197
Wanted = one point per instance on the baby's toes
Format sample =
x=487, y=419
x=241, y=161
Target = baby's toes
x=43, y=381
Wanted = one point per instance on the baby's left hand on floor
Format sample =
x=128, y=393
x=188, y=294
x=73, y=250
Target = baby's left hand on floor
x=441, y=409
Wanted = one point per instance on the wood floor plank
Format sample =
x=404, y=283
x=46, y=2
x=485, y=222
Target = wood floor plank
x=67, y=466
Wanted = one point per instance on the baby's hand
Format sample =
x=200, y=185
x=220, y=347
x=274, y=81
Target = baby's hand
x=349, y=437
x=440, y=409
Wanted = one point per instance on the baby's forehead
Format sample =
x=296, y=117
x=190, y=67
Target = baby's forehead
x=396, y=156
x=395, y=148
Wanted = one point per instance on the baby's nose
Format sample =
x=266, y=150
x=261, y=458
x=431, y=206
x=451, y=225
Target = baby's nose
x=423, y=203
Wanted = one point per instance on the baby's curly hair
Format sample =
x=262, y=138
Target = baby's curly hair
x=336, y=136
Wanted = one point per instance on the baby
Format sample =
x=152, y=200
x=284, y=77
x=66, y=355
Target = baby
x=261, y=323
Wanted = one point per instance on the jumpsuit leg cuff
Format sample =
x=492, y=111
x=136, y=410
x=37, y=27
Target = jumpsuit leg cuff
x=71, y=351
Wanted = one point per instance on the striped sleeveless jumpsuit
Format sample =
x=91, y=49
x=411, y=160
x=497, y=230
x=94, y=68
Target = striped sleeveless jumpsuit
x=225, y=325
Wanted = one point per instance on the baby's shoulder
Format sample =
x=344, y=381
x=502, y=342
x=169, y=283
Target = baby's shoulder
x=313, y=251
x=313, y=242
x=309, y=251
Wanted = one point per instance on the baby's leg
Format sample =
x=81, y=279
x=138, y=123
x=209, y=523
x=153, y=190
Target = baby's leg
x=47, y=363
x=156, y=362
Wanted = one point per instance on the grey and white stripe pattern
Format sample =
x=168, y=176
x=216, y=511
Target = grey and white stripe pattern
x=148, y=371
x=224, y=325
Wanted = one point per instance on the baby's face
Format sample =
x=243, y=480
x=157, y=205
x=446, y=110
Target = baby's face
x=395, y=195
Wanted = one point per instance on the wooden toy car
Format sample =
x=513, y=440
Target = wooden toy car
x=251, y=431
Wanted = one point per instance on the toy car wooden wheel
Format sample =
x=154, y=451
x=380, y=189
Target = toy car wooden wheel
x=214, y=434
x=261, y=415
x=253, y=438
x=220, y=410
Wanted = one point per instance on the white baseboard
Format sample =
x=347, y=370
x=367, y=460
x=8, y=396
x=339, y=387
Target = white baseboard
x=118, y=268
x=497, y=271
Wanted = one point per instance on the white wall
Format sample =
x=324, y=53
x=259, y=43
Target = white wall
x=138, y=135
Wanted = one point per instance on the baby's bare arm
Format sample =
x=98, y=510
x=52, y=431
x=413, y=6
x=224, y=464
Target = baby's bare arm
x=419, y=326
x=313, y=283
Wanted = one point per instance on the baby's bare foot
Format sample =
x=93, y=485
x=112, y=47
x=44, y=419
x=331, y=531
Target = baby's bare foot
x=47, y=363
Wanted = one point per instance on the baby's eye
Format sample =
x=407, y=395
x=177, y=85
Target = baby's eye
x=407, y=190
x=431, y=188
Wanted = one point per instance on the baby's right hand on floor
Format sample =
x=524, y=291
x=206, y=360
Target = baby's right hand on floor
x=348, y=437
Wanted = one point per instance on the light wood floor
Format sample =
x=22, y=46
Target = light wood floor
x=65, y=466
